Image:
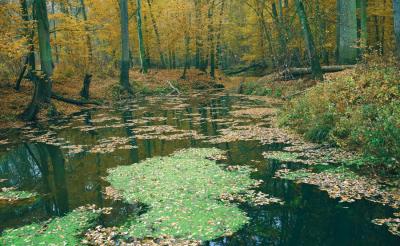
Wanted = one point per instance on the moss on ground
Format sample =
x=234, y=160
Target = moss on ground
x=183, y=194
x=59, y=231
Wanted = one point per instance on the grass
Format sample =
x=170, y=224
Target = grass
x=183, y=194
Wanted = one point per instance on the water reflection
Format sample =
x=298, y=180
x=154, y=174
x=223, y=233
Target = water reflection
x=66, y=181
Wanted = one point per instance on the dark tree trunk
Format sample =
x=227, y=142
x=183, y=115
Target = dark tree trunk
x=42, y=91
x=396, y=9
x=211, y=39
x=312, y=52
x=364, y=23
x=219, y=46
x=29, y=63
x=281, y=36
x=21, y=75
x=198, y=41
x=86, y=86
x=187, y=55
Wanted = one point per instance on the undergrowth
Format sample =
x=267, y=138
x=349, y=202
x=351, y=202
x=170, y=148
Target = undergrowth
x=258, y=89
x=359, y=112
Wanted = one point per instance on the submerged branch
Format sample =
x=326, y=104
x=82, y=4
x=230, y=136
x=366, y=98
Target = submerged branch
x=73, y=101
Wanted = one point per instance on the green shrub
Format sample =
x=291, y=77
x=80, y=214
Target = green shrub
x=257, y=89
x=360, y=112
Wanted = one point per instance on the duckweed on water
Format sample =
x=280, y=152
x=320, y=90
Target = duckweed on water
x=10, y=195
x=59, y=231
x=183, y=194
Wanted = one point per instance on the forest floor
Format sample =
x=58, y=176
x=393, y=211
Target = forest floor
x=14, y=102
x=156, y=81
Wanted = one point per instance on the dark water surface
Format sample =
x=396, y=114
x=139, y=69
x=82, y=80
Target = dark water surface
x=58, y=160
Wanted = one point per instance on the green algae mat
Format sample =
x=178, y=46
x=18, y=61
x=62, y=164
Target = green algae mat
x=183, y=194
x=58, y=231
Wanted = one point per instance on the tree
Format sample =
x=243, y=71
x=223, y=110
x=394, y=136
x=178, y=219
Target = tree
x=43, y=83
x=142, y=52
x=198, y=39
x=312, y=52
x=347, y=31
x=124, y=67
x=88, y=73
x=157, y=33
x=396, y=14
x=364, y=23
x=30, y=57
x=211, y=38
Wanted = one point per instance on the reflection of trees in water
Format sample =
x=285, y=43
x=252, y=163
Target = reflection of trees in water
x=39, y=166
x=134, y=153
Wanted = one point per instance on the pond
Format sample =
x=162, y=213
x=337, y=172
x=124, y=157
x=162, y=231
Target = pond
x=65, y=161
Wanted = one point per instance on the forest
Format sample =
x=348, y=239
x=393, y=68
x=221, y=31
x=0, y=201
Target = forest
x=200, y=122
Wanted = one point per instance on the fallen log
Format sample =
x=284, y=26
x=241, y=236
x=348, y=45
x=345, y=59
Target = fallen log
x=292, y=73
x=254, y=66
x=325, y=69
x=58, y=97
x=173, y=88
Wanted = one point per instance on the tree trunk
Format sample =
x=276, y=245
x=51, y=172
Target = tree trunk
x=55, y=33
x=124, y=69
x=86, y=86
x=88, y=75
x=158, y=39
x=219, y=46
x=197, y=9
x=364, y=23
x=211, y=39
x=142, y=51
x=396, y=10
x=281, y=36
x=312, y=52
x=187, y=54
x=347, y=32
x=21, y=75
x=42, y=91
x=29, y=63
x=325, y=69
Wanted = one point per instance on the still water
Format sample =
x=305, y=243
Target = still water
x=65, y=160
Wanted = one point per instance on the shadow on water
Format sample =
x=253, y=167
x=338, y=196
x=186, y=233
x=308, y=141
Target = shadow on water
x=66, y=181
